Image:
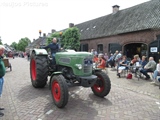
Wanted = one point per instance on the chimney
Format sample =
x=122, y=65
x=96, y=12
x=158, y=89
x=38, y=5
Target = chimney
x=71, y=25
x=53, y=30
x=44, y=34
x=115, y=9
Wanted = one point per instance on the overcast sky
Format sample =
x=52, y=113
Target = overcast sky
x=24, y=18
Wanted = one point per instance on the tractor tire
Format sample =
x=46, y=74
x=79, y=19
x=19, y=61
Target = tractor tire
x=59, y=91
x=38, y=70
x=102, y=86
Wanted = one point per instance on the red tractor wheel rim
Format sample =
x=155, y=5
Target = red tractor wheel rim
x=99, y=87
x=33, y=69
x=56, y=91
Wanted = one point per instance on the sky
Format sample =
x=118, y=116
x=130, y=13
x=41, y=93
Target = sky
x=24, y=18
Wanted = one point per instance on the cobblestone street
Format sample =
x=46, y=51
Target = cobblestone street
x=127, y=100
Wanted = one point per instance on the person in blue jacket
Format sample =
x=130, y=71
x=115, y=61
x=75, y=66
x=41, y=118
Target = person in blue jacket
x=54, y=47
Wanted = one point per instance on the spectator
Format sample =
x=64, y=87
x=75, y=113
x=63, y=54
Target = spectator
x=2, y=73
x=143, y=62
x=28, y=56
x=156, y=73
x=118, y=57
x=149, y=67
x=101, y=62
x=134, y=60
x=92, y=51
x=113, y=59
x=95, y=59
x=122, y=65
x=105, y=56
x=109, y=61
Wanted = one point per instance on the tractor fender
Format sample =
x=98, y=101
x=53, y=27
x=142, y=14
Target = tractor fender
x=96, y=69
x=54, y=73
x=39, y=52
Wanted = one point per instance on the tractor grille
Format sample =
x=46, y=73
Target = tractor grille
x=88, y=65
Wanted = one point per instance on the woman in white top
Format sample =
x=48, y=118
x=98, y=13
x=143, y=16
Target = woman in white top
x=156, y=72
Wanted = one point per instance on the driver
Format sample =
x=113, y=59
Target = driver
x=54, y=47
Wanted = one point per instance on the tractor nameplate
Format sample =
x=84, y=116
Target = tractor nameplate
x=65, y=60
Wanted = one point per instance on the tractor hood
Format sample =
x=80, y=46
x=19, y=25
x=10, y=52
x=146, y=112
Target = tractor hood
x=72, y=53
x=79, y=62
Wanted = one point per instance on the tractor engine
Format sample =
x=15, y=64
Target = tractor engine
x=73, y=65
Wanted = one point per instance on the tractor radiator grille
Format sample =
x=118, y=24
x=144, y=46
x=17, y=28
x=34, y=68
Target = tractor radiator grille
x=88, y=64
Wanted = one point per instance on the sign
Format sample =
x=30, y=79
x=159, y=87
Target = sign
x=153, y=49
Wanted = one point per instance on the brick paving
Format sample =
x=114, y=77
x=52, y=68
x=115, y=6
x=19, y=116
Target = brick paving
x=128, y=99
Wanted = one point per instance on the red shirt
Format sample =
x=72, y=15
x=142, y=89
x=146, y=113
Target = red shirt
x=95, y=59
x=102, y=64
x=134, y=61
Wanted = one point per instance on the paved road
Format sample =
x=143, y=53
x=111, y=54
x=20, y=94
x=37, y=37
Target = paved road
x=128, y=99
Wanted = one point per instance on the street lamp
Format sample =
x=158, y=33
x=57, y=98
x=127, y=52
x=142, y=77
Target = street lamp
x=40, y=32
x=59, y=41
x=60, y=33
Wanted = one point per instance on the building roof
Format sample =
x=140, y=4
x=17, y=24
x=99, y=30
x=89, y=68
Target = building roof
x=140, y=17
x=8, y=48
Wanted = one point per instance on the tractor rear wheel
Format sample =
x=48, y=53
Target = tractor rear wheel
x=59, y=91
x=103, y=85
x=38, y=70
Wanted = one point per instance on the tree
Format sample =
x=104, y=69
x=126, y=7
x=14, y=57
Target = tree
x=55, y=34
x=71, y=39
x=14, y=45
x=23, y=43
x=0, y=41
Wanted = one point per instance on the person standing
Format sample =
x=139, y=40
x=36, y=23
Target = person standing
x=54, y=47
x=2, y=73
x=156, y=73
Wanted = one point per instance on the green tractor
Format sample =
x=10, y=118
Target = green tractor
x=72, y=69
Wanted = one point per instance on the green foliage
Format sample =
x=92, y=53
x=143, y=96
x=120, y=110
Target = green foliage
x=23, y=43
x=14, y=45
x=71, y=39
x=0, y=41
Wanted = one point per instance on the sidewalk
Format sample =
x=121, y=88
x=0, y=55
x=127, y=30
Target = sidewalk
x=128, y=99
x=142, y=86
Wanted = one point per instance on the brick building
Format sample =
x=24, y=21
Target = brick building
x=135, y=30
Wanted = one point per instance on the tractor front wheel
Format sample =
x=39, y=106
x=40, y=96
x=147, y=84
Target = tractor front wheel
x=102, y=86
x=38, y=70
x=59, y=91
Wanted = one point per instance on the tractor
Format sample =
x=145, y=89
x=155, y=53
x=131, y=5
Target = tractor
x=72, y=69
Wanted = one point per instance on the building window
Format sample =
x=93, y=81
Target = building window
x=158, y=37
x=84, y=47
x=100, y=48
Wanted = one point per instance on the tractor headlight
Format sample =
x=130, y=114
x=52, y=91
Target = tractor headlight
x=79, y=66
x=94, y=65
